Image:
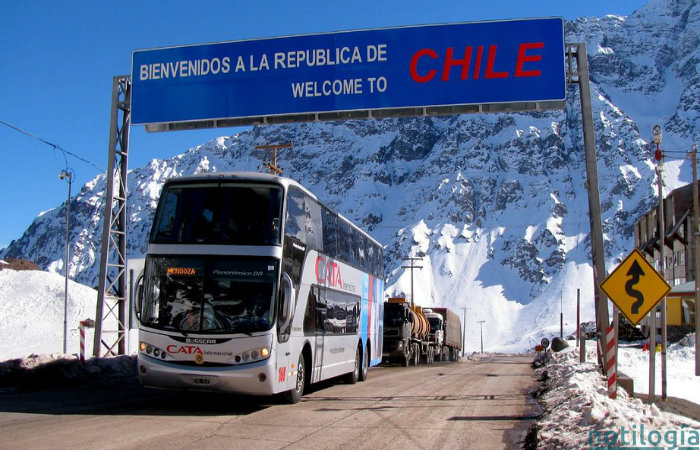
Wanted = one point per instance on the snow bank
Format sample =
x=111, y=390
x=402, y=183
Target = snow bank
x=680, y=366
x=31, y=308
x=579, y=413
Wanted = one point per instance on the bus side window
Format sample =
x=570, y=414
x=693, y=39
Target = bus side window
x=310, y=316
x=330, y=232
x=295, y=223
x=314, y=227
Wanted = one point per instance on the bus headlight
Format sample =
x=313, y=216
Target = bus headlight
x=152, y=350
x=256, y=354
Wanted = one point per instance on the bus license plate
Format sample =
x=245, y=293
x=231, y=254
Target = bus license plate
x=201, y=381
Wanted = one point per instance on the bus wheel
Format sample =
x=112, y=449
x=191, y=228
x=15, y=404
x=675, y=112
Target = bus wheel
x=294, y=395
x=365, y=365
x=352, y=377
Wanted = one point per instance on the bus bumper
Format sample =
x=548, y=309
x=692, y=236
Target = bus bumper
x=258, y=378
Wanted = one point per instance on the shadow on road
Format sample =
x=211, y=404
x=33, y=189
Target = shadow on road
x=127, y=397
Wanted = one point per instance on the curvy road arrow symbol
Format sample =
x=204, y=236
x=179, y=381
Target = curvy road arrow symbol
x=636, y=273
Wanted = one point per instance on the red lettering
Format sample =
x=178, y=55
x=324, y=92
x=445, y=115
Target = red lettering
x=188, y=349
x=489, y=65
x=320, y=269
x=328, y=272
x=449, y=63
x=477, y=67
x=524, y=58
x=336, y=281
x=282, y=374
x=414, y=62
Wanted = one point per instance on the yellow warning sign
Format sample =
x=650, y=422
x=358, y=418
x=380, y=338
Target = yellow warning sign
x=635, y=287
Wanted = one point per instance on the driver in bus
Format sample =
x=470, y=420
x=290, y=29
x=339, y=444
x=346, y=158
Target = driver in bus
x=261, y=308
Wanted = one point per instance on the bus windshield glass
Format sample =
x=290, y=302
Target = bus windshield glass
x=209, y=295
x=218, y=213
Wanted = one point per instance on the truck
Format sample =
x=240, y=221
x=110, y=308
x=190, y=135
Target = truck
x=446, y=332
x=412, y=333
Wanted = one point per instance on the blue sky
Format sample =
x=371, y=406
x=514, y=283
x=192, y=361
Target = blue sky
x=58, y=60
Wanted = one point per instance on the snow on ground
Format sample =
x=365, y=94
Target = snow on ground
x=579, y=413
x=32, y=313
x=680, y=363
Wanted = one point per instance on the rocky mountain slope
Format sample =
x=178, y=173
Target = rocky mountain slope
x=495, y=204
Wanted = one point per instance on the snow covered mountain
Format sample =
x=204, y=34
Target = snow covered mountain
x=494, y=204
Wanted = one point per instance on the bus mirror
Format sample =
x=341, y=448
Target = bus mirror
x=139, y=295
x=287, y=300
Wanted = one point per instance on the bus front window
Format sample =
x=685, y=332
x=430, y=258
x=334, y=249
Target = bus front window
x=209, y=295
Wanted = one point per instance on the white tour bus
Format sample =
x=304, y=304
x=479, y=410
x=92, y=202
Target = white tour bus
x=251, y=285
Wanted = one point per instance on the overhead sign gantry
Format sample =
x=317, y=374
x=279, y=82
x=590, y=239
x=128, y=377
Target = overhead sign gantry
x=499, y=66
x=408, y=71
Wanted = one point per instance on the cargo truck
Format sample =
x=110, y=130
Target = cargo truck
x=409, y=335
x=445, y=332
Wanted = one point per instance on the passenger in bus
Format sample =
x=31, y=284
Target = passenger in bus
x=203, y=227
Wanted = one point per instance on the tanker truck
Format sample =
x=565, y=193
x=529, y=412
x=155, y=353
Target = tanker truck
x=407, y=334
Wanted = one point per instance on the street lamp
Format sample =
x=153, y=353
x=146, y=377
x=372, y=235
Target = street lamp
x=66, y=175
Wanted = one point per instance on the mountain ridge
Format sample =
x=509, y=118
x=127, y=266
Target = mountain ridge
x=495, y=204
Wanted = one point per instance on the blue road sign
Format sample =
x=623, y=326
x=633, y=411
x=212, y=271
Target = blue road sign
x=422, y=66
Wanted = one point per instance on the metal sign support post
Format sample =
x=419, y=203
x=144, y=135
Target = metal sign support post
x=580, y=76
x=696, y=253
x=464, y=331
x=662, y=268
x=111, y=293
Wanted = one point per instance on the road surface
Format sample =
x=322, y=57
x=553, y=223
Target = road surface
x=479, y=404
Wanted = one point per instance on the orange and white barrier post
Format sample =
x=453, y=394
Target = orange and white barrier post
x=611, y=369
x=88, y=323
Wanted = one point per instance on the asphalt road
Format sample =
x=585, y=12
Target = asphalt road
x=480, y=404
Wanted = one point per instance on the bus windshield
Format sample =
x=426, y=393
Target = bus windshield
x=218, y=213
x=209, y=295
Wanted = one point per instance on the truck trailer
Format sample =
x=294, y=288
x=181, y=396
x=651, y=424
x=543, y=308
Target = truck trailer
x=412, y=334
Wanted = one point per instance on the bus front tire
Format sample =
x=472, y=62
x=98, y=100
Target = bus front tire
x=294, y=395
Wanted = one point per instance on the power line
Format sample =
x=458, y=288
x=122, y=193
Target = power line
x=51, y=144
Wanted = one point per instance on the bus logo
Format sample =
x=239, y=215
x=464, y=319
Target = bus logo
x=187, y=349
x=181, y=271
x=328, y=271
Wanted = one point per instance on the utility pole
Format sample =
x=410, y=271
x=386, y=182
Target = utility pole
x=271, y=165
x=464, y=330
x=658, y=155
x=481, y=332
x=696, y=252
x=66, y=175
x=412, y=266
